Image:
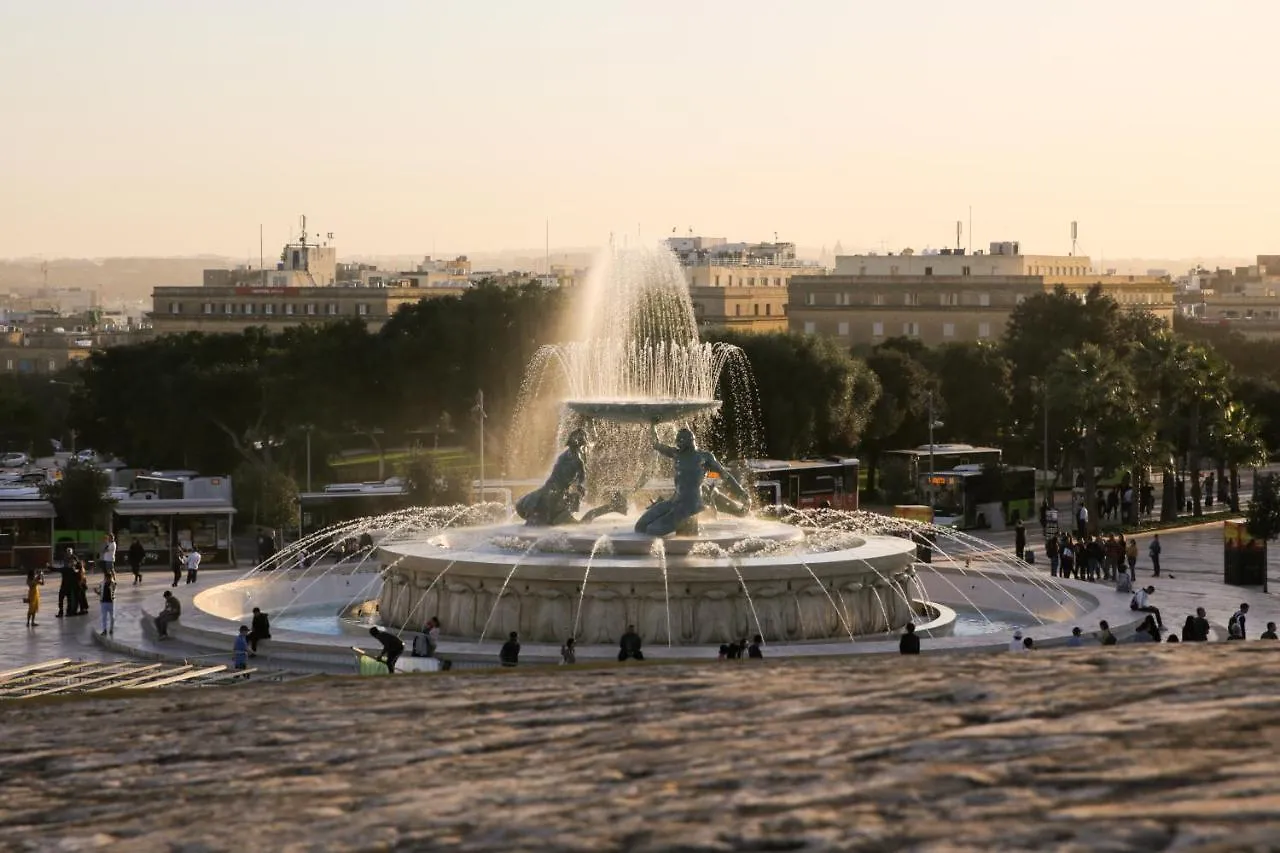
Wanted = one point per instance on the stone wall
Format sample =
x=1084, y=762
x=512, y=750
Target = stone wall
x=1136, y=748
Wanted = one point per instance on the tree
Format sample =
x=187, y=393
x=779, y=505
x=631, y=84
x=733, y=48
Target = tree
x=1096, y=393
x=81, y=497
x=900, y=416
x=1263, y=517
x=1236, y=440
x=429, y=485
x=975, y=384
x=814, y=398
x=265, y=495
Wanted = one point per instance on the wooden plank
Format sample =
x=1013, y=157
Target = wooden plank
x=24, y=683
x=182, y=676
x=135, y=681
x=225, y=677
x=34, y=667
x=77, y=687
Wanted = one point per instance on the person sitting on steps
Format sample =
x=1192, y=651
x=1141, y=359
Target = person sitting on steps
x=629, y=646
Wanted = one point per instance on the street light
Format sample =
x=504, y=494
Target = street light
x=480, y=416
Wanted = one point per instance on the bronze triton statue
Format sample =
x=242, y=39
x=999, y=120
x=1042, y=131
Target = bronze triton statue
x=675, y=513
x=560, y=496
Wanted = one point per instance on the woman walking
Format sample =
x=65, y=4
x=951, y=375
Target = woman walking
x=35, y=580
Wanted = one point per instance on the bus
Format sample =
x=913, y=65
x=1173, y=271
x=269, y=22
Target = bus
x=973, y=496
x=901, y=470
x=806, y=483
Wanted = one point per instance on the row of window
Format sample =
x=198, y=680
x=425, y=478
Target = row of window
x=309, y=309
x=910, y=299
x=909, y=329
x=699, y=309
x=27, y=365
x=749, y=281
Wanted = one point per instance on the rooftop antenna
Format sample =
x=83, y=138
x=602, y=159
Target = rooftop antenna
x=262, y=263
x=303, y=218
x=1074, y=231
x=959, y=233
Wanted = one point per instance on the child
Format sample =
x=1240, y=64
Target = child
x=240, y=659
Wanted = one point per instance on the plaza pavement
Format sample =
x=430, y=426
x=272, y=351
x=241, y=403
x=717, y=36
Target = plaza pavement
x=1191, y=564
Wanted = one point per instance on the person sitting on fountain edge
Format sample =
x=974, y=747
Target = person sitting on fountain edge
x=629, y=646
x=665, y=517
x=555, y=502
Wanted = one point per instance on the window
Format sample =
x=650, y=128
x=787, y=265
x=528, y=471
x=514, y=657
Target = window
x=228, y=308
x=8, y=365
x=877, y=330
x=809, y=327
x=911, y=330
x=248, y=308
x=362, y=308
x=809, y=299
x=862, y=270
x=877, y=299
x=893, y=270
x=268, y=308
x=984, y=330
x=717, y=281
x=984, y=299
x=311, y=309
x=752, y=281
x=755, y=309
x=964, y=271
x=207, y=308
x=948, y=299
x=777, y=281
x=53, y=366
x=737, y=310
x=948, y=330
x=843, y=330
x=909, y=299
x=279, y=280
x=928, y=270
x=331, y=309
x=175, y=307
x=768, y=309
x=288, y=309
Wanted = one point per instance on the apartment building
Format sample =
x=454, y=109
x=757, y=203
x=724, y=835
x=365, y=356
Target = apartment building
x=740, y=286
x=304, y=288
x=950, y=295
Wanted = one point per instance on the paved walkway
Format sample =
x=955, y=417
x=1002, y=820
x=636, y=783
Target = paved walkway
x=1191, y=563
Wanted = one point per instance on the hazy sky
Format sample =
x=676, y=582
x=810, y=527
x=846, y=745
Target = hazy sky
x=170, y=127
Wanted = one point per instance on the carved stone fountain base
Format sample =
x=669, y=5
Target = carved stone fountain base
x=736, y=578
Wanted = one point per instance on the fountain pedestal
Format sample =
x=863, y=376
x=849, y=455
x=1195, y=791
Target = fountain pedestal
x=591, y=581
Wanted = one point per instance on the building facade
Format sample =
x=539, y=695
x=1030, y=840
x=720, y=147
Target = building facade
x=304, y=288
x=943, y=298
x=739, y=286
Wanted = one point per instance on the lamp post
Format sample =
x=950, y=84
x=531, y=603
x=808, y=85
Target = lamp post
x=309, y=428
x=480, y=416
x=1048, y=497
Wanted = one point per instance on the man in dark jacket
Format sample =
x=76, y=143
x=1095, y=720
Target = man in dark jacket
x=392, y=647
x=629, y=647
x=137, y=555
x=509, y=655
x=259, y=630
x=910, y=642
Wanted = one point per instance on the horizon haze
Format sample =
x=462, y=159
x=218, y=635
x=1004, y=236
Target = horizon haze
x=145, y=128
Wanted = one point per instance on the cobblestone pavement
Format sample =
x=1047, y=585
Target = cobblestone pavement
x=1141, y=748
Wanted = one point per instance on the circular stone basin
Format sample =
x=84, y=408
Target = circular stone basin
x=641, y=411
x=735, y=578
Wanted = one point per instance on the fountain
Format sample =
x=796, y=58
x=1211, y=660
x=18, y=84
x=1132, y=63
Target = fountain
x=682, y=558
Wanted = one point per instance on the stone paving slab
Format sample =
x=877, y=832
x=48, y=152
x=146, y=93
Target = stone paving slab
x=1127, y=749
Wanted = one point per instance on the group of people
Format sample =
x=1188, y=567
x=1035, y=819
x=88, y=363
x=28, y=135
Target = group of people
x=1099, y=558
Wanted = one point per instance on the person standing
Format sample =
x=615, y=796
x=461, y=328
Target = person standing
x=509, y=654
x=1020, y=541
x=568, y=654
x=67, y=583
x=261, y=630
x=193, y=564
x=756, y=649
x=1235, y=625
x=1153, y=551
x=107, y=558
x=1051, y=552
x=1082, y=521
x=392, y=648
x=35, y=580
x=1131, y=556
x=240, y=651
x=82, y=589
x=107, y=602
x=909, y=644
x=137, y=556
x=179, y=563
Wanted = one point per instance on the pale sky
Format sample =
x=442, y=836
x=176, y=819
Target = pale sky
x=173, y=127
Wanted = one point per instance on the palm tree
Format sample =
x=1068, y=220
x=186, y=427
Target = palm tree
x=1096, y=394
x=1203, y=394
x=1236, y=439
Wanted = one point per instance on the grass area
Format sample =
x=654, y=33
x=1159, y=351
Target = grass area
x=1181, y=521
x=448, y=458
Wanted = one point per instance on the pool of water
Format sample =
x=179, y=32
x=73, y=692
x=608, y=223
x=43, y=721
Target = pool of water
x=970, y=624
